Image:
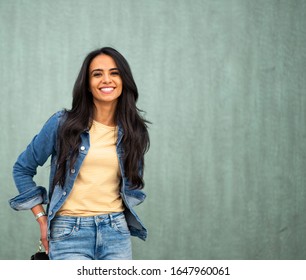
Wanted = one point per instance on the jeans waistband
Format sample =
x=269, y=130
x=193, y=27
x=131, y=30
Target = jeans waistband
x=90, y=220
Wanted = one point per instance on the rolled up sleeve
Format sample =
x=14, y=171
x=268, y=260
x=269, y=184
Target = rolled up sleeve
x=29, y=199
x=25, y=168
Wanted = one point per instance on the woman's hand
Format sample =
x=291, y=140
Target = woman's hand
x=43, y=223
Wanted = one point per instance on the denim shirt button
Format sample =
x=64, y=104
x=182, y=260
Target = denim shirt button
x=72, y=170
x=82, y=148
x=64, y=193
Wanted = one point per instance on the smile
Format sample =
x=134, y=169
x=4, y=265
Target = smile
x=107, y=89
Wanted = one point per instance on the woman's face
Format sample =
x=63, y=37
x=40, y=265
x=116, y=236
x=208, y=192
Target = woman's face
x=105, y=82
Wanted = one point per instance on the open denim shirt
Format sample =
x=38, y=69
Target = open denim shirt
x=43, y=145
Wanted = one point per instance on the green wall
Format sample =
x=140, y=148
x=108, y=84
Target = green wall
x=223, y=82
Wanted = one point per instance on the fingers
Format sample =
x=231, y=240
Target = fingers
x=43, y=233
x=45, y=243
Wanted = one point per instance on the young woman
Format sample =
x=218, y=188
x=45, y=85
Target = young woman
x=97, y=158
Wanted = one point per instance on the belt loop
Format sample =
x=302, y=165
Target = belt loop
x=111, y=220
x=77, y=223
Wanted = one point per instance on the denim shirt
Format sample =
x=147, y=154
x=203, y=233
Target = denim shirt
x=44, y=145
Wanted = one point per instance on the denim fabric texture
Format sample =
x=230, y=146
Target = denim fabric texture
x=44, y=145
x=103, y=237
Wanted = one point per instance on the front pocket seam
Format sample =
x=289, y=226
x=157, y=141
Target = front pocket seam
x=64, y=236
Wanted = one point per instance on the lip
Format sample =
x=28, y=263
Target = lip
x=107, y=90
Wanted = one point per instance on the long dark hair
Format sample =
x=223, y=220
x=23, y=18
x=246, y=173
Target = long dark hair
x=135, y=141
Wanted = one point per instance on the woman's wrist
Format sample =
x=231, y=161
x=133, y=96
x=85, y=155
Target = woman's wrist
x=40, y=214
x=42, y=221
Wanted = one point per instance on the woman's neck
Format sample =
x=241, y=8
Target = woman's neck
x=105, y=114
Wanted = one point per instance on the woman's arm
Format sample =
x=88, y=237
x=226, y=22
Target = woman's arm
x=25, y=168
x=40, y=215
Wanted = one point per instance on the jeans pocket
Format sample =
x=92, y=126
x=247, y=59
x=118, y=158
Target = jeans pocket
x=120, y=225
x=60, y=230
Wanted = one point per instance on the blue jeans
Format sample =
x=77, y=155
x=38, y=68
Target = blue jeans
x=103, y=237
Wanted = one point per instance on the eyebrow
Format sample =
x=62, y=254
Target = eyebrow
x=99, y=69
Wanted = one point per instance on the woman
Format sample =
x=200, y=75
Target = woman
x=97, y=157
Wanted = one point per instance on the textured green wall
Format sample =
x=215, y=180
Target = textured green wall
x=223, y=82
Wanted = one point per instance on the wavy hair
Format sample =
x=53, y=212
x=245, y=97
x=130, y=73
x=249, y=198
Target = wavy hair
x=135, y=141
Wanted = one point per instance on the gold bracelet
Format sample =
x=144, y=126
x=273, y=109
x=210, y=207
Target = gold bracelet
x=40, y=214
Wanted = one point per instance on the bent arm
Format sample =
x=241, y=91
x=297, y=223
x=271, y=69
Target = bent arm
x=25, y=168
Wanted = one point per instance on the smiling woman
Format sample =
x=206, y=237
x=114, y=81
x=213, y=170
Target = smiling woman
x=97, y=159
x=105, y=85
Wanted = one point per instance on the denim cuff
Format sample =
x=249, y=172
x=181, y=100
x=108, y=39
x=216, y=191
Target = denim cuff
x=29, y=199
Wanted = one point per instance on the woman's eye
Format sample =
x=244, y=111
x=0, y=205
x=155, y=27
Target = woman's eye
x=115, y=73
x=97, y=74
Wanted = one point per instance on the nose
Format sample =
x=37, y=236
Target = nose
x=106, y=79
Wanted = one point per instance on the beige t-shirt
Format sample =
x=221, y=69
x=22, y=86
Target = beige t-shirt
x=96, y=189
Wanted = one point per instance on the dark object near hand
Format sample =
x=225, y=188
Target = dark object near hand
x=40, y=256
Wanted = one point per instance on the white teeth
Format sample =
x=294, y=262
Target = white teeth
x=107, y=89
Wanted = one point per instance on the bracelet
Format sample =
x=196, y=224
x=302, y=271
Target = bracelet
x=40, y=214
